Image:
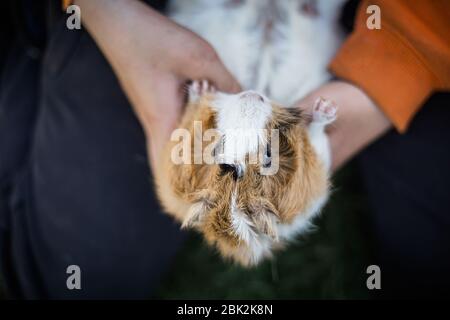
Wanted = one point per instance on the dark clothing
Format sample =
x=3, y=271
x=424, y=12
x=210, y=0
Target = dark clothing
x=407, y=180
x=75, y=183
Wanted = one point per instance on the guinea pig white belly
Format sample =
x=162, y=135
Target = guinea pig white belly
x=278, y=48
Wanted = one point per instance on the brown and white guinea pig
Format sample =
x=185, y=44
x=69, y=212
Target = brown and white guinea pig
x=250, y=174
x=245, y=172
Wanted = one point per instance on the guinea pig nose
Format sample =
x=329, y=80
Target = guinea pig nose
x=231, y=168
x=251, y=95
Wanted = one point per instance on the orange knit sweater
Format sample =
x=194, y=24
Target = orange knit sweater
x=400, y=65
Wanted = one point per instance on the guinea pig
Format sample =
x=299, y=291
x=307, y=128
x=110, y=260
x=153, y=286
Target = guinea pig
x=244, y=171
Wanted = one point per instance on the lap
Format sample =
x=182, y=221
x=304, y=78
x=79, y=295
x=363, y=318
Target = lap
x=86, y=196
x=406, y=178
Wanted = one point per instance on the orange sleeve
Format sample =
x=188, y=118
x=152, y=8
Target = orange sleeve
x=66, y=4
x=400, y=65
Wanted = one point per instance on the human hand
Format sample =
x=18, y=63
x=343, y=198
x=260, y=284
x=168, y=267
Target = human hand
x=359, y=122
x=153, y=57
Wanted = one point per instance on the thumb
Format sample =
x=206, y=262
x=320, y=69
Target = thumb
x=208, y=65
x=219, y=75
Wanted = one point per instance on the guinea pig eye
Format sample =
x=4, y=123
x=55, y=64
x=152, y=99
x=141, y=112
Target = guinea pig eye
x=267, y=157
x=268, y=151
x=230, y=168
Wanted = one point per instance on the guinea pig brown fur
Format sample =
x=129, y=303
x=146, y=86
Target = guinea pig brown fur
x=239, y=210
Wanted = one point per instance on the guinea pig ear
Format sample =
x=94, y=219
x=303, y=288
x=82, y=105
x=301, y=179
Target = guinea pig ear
x=288, y=117
x=195, y=215
x=294, y=116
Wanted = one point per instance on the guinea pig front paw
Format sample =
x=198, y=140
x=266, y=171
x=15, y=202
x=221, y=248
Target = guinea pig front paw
x=199, y=88
x=324, y=111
